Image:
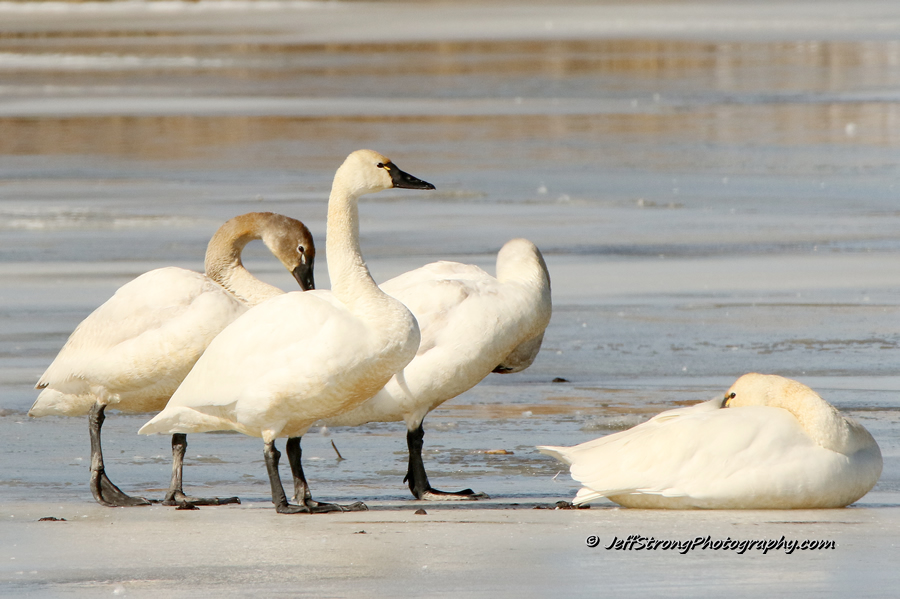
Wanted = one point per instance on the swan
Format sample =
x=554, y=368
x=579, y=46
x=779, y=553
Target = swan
x=303, y=357
x=472, y=324
x=772, y=443
x=133, y=351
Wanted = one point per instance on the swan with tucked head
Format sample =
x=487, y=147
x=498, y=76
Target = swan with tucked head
x=472, y=324
x=772, y=443
x=304, y=357
x=132, y=352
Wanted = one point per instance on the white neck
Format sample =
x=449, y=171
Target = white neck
x=821, y=421
x=350, y=278
x=519, y=260
x=394, y=331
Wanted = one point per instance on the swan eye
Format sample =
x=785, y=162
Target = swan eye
x=386, y=167
x=380, y=165
x=728, y=399
x=301, y=249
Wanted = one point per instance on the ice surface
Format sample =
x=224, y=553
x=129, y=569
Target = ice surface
x=714, y=186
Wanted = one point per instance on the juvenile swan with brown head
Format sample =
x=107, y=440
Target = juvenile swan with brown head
x=132, y=352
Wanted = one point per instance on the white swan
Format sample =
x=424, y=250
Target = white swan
x=773, y=443
x=133, y=351
x=303, y=357
x=472, y=324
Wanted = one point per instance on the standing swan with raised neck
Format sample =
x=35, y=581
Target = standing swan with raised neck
x=772, y=443
x=303, y=357
x=133, y=351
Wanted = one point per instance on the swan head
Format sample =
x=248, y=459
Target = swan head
x=293, y=245
x=367, y=171
x=755, y=389
x=287, y=238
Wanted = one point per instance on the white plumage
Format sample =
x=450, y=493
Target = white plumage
x=773, y=443
x=277, y=369
x=472, y=324
x=303, y=357
x=133, y=351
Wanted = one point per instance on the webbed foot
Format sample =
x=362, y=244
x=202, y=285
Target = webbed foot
x=108, y=494
x=432, y=494
x=178, y=498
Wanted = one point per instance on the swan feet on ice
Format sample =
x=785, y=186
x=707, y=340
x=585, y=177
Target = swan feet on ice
x=175, y=496
x=305, y=503
x=103, y=489
x=108, y=494
x=418, y=478
x=432, y=494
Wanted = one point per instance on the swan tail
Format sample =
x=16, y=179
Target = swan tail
x=560, y=453
x=185, y=420
x=563, y=454
x=51, y=402
x=586, y=495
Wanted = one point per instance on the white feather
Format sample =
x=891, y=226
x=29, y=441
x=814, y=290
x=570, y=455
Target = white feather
x=471, y=323
x=133, y=351
x=778, y=445
x=303, y=356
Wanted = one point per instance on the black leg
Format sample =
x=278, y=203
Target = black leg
x=176, y=495
x=301, y=487
x=302, y=494
x=418, y=479
x=104, y=491
x=282, y=506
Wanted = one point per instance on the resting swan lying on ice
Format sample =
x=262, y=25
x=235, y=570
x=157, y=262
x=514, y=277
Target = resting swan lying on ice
x=772, y=443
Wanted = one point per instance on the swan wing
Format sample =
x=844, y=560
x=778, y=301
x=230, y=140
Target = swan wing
x=139, y=344
x=435, y=292
x=295, y=346
x=699, y=452
x=469, y=323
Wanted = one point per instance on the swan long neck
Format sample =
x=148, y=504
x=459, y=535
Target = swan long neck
x=521, y=261
x=350, y=278
x=223, y=261
x=521, y=264
x=821, y=421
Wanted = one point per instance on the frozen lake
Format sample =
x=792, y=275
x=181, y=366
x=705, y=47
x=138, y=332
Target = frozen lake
x=715, y=187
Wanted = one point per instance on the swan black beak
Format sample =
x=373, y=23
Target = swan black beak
x=727, y=400
x=405, y=180
x=304, y=275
